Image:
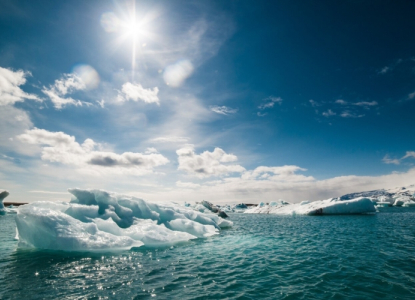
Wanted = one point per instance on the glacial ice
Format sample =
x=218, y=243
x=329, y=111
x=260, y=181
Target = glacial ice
x=331, y=206
x=3, y=195
x=96, y=220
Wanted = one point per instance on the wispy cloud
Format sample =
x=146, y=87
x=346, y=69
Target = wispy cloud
x=136, y=92
x=170, y=139
x=269, y=102
x=409, y=154
x=10, y=91
x=349, y=114
x=328, y=113
x=387, y=160
x=223, y=110
x=314, y=103
x=365, y=103
x=207, y=164
x=63, y=86
x=411, y=96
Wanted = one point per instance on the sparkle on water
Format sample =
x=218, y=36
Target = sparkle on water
x=261, y=257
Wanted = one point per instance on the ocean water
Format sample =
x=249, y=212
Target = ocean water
x=261, y=257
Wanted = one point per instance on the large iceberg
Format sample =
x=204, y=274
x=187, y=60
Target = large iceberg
x=3, y=195
x=97, y=220
x=332, y=206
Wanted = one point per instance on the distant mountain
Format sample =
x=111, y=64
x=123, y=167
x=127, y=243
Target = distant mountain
x=392, y=193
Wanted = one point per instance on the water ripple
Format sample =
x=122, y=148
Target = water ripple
x=262, y=257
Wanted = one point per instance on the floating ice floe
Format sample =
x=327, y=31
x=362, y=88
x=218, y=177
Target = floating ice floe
x=97, y=220
x=3, y=195
x=332, y=206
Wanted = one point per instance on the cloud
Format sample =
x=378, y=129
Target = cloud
x=62, y=148
x=175, y=75
x=328, y=113
x=349, y=114
x=340, y=101
x=396, y=161
x=14, y=121
x=409, y=154
x=270, y=102
x=387, y=160
x=365, y=103
x=384, y=70
x=136, y=92
x=283, y=173
x=259, y=114
x=314, y=103
x=207, y=164
x=170, y=139
x=223, y=110
x=10, y=92
x=63, y=86
x=411, y=96
x=187, y=185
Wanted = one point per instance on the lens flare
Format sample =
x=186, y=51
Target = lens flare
x=175, y=75
x=88, y=74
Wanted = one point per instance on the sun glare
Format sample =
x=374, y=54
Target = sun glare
x=130, y=28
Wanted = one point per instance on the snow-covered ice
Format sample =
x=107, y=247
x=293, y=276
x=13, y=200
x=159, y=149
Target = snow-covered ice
x=332, y=206
x=96, y=220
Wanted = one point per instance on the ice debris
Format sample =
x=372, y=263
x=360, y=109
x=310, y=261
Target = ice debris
x=333, y=206
x=96, y=220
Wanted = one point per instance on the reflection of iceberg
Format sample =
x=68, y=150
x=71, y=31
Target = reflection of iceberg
x=97, y=220
x=3, y=195
x=324, y=207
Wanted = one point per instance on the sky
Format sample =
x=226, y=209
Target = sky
x=225, y=101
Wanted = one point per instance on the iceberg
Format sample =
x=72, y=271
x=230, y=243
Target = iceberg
x=96, y=220
x=3, y=195
x=333, y=206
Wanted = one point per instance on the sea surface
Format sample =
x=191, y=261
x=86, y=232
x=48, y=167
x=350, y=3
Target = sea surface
x=261, y=257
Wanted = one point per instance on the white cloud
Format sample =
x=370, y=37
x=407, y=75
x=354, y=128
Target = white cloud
x=397, y=161
x=14, y=121
x=409, y=154
x=328, y=113
x=284, y=173
x=223, y=110
x=101, y=103
x=175, y=75
x=365, y=103
x=387, y=160
x=10, y=92
x=259, y=114
x=349, y=114
x=207, y=164
x=136, y=92
x=66, y=85
x=187, y=185
x=270, y=102
x=62, y=148
x=341, y=101
x=411, y=96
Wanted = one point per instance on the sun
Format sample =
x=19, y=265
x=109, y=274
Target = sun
x=129, y=27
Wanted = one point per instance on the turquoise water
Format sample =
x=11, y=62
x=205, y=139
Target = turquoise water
x=261, y=257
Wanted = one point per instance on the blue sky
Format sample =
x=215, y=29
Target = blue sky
x=227, y=101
